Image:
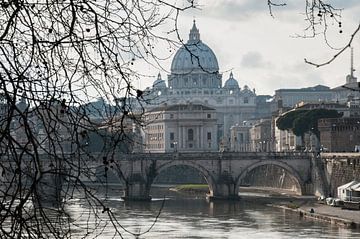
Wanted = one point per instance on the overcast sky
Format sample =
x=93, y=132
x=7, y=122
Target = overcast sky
x=261, y=51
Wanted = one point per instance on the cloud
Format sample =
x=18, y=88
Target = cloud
x=245, y=10
x=345, y=4
x=254, y=59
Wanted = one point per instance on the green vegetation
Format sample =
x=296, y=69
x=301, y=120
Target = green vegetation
x=302, y=121
x=292, y=205
x=192, y=188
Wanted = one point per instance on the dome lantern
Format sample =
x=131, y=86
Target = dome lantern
x=194, y=35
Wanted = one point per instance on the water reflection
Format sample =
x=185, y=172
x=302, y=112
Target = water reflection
x=193, y=217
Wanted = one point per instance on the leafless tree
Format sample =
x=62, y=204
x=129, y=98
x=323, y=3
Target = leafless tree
x=55, y=58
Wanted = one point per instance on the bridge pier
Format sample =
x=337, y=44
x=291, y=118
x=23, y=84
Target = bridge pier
x=136, y=189
x=223, y=192
x=224, y=189
x=48, y=190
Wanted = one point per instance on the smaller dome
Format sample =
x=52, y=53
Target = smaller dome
x=231, y=83
x=159, y=83
x=246, y=91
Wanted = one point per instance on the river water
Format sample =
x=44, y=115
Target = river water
x=191, y=216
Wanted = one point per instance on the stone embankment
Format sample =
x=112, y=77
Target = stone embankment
x=302, y=206
x=334, y=215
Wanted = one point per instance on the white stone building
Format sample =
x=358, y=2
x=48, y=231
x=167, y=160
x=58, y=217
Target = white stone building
x=195, y=78
x=181, y=128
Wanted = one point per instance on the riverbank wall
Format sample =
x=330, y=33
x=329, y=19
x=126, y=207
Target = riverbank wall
x=330, y=217
x=340, y=168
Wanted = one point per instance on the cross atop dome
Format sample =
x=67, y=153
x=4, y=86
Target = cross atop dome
x=194, y=35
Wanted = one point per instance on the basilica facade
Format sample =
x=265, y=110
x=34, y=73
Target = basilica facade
x=195, y=79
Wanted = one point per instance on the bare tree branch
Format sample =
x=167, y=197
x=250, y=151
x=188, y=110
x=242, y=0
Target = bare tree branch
x=348, y=45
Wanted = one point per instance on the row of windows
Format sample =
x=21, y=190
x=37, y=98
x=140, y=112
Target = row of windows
x=155, y=146
x=155, y=127
x=172, y=116
x=190, y=145
x=190, y=135
x=345, y=128
x=153, y=116
x=156, y=136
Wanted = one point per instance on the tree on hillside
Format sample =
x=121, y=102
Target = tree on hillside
x=55, y=58
x=304, y=121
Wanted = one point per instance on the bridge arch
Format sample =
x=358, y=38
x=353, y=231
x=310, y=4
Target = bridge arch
x=209, y=178
x=292, y=172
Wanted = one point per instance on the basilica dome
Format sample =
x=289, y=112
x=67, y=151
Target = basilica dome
x=194, y=56
x=159, y=83
x=231, y=83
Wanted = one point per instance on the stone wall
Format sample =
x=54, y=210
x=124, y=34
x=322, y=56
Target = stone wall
x=340, y=169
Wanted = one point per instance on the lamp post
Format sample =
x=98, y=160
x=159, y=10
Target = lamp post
x=175, y=146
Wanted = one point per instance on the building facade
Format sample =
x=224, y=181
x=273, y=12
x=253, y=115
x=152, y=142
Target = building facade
x=290, y=97
x=240, y=137
x=339, y=135
x=181, y=128
x=260, y=136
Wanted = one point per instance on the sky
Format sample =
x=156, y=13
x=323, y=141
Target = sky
x=262, y=51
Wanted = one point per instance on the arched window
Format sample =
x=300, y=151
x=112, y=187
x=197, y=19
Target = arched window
x=190, y=134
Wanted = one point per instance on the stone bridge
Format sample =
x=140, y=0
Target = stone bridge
x=223, y=171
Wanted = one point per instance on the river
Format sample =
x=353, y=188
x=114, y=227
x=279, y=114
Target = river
x=191, y=216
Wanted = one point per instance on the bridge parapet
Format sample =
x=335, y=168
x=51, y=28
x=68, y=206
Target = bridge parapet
x=340, y=155
x=216, y=155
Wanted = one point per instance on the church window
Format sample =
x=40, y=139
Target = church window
x=246, y=100
x=208, y=135
x=190, y=134
x=172, y=135
x=208, y=116
x=171, y=116
x=241, y=138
